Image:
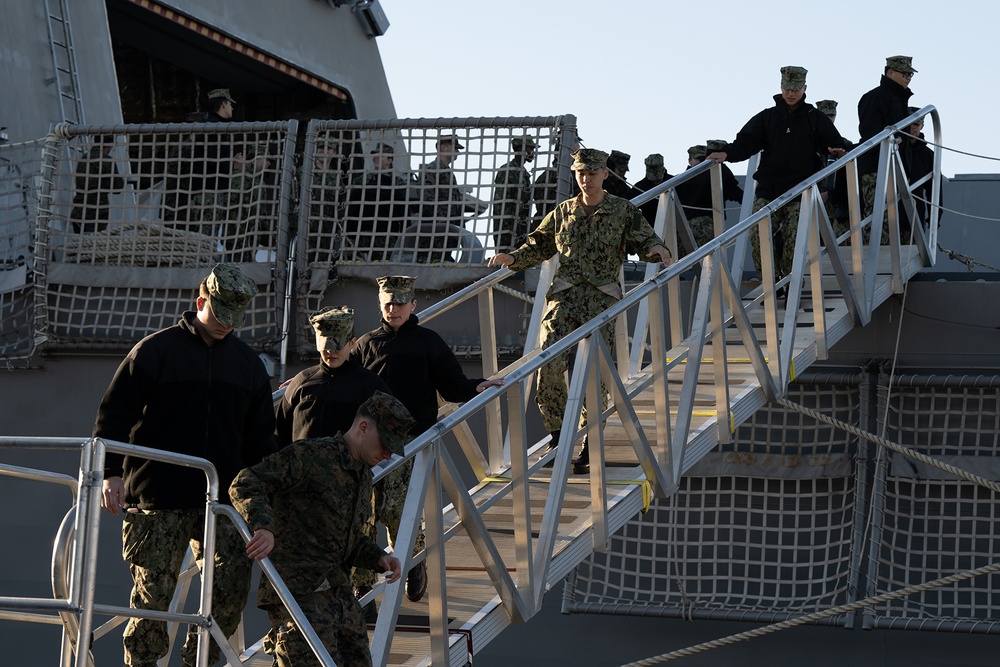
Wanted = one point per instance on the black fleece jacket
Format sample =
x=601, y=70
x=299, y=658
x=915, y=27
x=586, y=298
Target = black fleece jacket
x=880, y=107
x=416, y=363
x=175, y=393
x=794, y=141
x=322, y=401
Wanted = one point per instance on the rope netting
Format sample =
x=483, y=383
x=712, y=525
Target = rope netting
x=926, y=534
x=761, y=529
x=931, y=519
x=19, y=163
x=429, y=199
x=134, y=218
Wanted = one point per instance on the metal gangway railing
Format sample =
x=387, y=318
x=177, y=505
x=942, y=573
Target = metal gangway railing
x=685, y=364
x=74, y=557
x=678, y=385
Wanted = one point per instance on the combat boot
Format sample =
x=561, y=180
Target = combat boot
x=416, y=582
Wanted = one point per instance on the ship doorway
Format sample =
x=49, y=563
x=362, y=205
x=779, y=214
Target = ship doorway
x=166, y=64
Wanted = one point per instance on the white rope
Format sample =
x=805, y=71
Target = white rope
x=853, y=606
x=514, y=293
x=816, y=616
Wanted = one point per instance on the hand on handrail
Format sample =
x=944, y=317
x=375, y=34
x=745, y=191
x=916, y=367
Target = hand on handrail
x=261, y=544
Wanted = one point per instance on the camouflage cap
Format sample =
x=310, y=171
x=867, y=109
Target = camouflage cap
x=697, y=152
x=829, y=107
x=619, y=159
x=221, y=92
x=334, y=328
x=793, y=77
x=450, y=139
x=654, y=160
x=399, y=289
x=392, y=419
x=713, y=145
x=518, y=143
x=230, y=291
x=901, y=64
x=589, y=159
x=383, y=148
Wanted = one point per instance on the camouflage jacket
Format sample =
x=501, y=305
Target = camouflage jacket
x=546, y=191
x=512, y=194
x=440, y=189
x=316, y=500
x=591, y=248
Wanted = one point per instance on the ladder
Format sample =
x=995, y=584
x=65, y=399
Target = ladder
x=66, y=77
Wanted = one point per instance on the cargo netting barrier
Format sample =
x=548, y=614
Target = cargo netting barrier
x=796, y=517
x=429, y=198
x=20, y=165
x=927, y=523
x=762, y=529
x=132, y=218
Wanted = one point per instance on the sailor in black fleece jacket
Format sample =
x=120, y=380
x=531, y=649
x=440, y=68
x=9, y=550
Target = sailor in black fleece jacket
x=194, y=389
x=417, y=365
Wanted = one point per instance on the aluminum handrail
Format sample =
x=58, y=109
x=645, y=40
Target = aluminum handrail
x=81, y=604
x=634, y=296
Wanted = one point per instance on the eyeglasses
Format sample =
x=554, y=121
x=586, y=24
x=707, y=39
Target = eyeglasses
x=906, y=75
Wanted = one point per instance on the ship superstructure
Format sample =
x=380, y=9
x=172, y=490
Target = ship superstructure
x=113, y=212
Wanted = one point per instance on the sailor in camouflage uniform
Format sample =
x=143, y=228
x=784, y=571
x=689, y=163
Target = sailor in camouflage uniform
x=445, y=200
x=656, y=174
x=378, y=206
x=512, y=196
x=322, y=400
x=250, y=206
x=617, y=184
x=592, y=234
x=193, y=389
x=308, y=506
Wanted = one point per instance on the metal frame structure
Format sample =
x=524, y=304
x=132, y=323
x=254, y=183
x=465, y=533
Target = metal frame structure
x=667, y=356
x=75, y=555
x=720, y=308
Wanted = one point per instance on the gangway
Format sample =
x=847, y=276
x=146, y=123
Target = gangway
x=678, y=387
x=679, y=381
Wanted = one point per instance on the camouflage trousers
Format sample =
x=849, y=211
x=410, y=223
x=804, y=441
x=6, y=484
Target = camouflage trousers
x=567, y=311
x=784, y=228
x=840, y=227
x=388, y=498
x=868, y=182
x=154, y=544
x=335, y=616
x=703, y=228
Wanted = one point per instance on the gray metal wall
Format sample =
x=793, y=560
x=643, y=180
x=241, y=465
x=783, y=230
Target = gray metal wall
x=29, y=104
x=310, y=35
x=329, y=43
